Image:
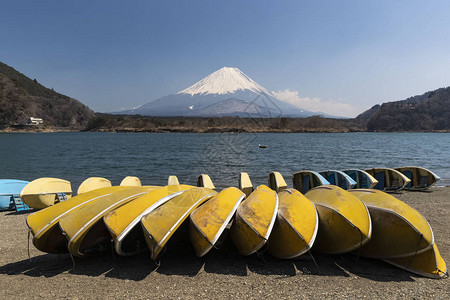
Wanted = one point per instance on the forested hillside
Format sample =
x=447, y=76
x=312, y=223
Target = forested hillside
x=22, y=97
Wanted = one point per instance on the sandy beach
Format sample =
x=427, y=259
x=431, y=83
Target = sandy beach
x=221, y=274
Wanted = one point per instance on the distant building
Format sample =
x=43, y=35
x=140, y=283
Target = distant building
x=34, y=121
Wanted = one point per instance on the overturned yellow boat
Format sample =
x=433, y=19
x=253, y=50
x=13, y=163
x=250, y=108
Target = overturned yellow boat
x=44, y=192
x=93, y=183
x=173, y=180
x=296, y=225
x=84, y=228
x=123, y=222
x=43, y=224
x=245, y=184
x=208, y=222
x=277, y=182
x=428, y=263
x=205, y=181
x=131, y=181
x=344, y=221
x=254, y=220
x=161, y=223
x=398, y=229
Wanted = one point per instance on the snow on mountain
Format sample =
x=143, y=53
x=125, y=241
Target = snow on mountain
x=223, y=81
x=227, y=91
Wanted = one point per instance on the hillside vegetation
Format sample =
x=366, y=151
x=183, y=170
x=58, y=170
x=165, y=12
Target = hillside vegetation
x=22, y=97
x=427, y=112
x=136, y=123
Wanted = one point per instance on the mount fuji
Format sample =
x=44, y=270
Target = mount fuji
x=226, y=92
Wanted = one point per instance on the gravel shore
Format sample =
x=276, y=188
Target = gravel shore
x=221, y=274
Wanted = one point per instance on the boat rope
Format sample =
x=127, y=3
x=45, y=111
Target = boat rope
x=360, y=245
x=444, y=274
x=31, y=261
x=260, y=252
x=217, y=245
x=313, y=259
x=29, y=234
x=113, y=253
x=157, y=263
x=157, y=260
x=415, y=253
x=73, y=261
x=260, y=256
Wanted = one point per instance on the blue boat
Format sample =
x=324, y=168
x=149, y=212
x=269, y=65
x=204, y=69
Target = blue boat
x=338, y=178
x=389, y=180
x=363, y=179
x=305, y=180
x=9, y=193
x=421, y=178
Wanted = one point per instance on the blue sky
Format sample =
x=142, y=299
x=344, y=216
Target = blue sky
x=339, y=57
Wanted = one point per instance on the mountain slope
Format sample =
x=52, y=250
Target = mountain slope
x=430, y=111
x=223, y=84
x=21, y=98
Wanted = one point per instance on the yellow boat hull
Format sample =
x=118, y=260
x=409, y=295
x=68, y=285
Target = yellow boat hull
x=121, y=222
x=296, y=225
x=161, y=223
x=429, y=263
x=344, y=221
x=245, y=184
x=398, y=229
x=276, y=182
x=131, y=181
x=83, y=228
x=254, y=220
x=42, y=192
x=209, y=221
x=43, y=224
x=93, y=183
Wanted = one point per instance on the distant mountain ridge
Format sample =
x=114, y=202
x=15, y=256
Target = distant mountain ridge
x=429, y=111
x=205, y=98
x=22, y=97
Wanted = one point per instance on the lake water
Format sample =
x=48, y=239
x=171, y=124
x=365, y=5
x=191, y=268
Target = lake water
x=154, y=156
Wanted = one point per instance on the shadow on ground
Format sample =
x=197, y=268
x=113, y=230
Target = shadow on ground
x=181, y=260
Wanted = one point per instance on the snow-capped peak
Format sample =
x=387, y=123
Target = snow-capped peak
x=223, y=81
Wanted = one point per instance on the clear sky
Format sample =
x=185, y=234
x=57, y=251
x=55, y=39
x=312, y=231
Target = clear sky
x=339, y=57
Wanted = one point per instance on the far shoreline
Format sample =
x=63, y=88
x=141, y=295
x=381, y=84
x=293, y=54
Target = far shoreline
x=200, y=130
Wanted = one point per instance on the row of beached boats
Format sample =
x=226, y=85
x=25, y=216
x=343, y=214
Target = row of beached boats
x=384, y=179
x=45, y=192
x=326, y=219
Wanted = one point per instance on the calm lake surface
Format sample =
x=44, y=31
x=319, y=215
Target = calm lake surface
x=154, y=156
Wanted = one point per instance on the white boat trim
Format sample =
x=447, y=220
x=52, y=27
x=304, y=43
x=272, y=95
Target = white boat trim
x=66, y=212
x=222, y=227
x=274, y=217
x=227, y=220
x=415, y=271
x=96, y=218
x=180, y=220
x=118, y=241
